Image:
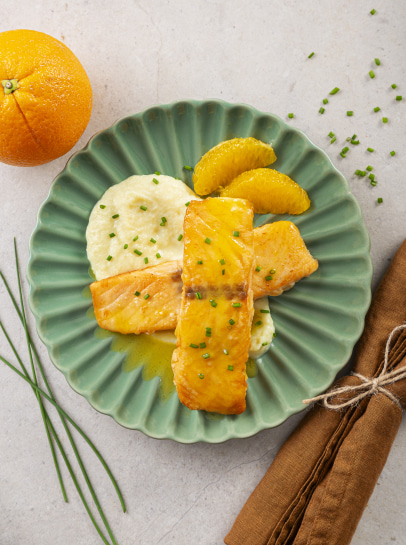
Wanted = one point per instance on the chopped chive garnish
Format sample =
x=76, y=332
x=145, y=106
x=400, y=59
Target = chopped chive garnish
x=393, y=85
x=379, y=199
x=236, y=305
x=267, y=278
x=109, y=257
x=291, y=116
x=135, y=238
x=145, y=260
x=399, y=97
x=200, y=375
x=311, y=55
x=333, y=140
x=111, y=235
x=208, y=333
x=138, y=252
x=187, y=167
x=205, y=356
x=258, y=323
x=384, y=120
x=272, y=271
x=158, y=255
x=115, y=216
x=152, y=240
x=125, y=246
x=322, y=110
x=187, y=203
x=371, y=74
x=199, y=262
x=180, y=237
x=213, y=303
x=325, y=100
x=143, y=207
x=102, y=206
x=157, y=172
x=264, y=344
x=146, y=296
x=137, y=293
x=393, y=153
x=222, y=261
x=231, y=322
x=230, y=367
x=207, y=241
x=164, y=219
x=193, y=345
x=369, y=168
x=377, y=62
x=257, y=268
x=155, y=181
x=236, y=233
x=334, y=91
x=198, y=295
x=373, y=11
x=226, y=352
x=331, y=134
x=202, y=345
x=263, y=311
x=376, y=109
x=274, y=335
x=350, y=113
x=223, y=272
x=371, y=150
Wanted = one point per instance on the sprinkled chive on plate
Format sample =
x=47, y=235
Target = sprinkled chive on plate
x=129, y=377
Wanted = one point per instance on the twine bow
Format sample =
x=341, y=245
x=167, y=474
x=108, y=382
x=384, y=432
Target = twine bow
x=368, y=386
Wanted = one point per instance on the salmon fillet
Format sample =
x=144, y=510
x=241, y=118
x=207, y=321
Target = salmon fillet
x=214, y=323
x=278, y=246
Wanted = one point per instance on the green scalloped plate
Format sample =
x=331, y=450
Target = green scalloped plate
x=129, y=377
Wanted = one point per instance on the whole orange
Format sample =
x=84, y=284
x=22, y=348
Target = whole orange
x=45, y=98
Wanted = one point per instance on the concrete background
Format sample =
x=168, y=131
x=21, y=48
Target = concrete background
x=140, y=53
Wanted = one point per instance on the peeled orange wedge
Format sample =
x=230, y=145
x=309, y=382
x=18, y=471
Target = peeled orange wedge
x=227, y=160
x=270, y=191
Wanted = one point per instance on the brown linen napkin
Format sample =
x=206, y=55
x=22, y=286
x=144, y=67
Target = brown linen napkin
x=318, y=485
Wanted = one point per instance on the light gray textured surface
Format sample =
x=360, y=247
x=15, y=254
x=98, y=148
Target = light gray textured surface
x=148, y=52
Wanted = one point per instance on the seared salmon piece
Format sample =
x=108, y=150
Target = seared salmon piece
x=214, y=323
x=278, y=247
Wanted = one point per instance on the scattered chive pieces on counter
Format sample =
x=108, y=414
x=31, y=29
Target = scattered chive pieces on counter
x=350, y=113
x=333, y=140
x=331, y=134
x=198, y=295
x=363, y=173
x=377, y=62
x=311, y=55
x=146, y=296
x=199, y=262
x=125, y=246
x=207, y=240
x=137, y=293
x=369, y=168
x=193, y=345
x=393, y=153
x=200, y=375
x=325, y=100
x=236, y=305
x=322, y=110
x=157, y=172
x=143, y=207
x=379, y=199
x=373, y=11
x=258, y=323
x=357, y=172
x=267, y=278
x=202, y=345
x=371, y=150
x=334, y=91
x=384, y=120
x=109, y=257
x=222, y=261
x=135, y=238
x=373, y=182
x=187, y=167
x=263, y=311
x=371, y=176
x=290, y=116
x=152, y=240
x=205, y=356
x=223, y=272
x=371, y=74
x=187, y=203
x=345, y=149
x=155, y=181
x=115, y=216
x=158, y=255
x=393, y=85
x=231, y=322
x=236, y=233
x=145, y=260
x=102, y=206
x=230, y=367
x=399, y=97
x=180, y=237
x=226, y=352
x=138, y=252
x=257, y=268
x=111, y=235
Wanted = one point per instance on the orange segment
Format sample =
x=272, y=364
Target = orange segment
x=270, y=191
x=227, y=160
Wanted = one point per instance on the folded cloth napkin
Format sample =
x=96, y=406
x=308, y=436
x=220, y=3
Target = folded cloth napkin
x=318, y=485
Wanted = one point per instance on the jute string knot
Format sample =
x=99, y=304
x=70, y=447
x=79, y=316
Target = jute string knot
x=369, y=386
